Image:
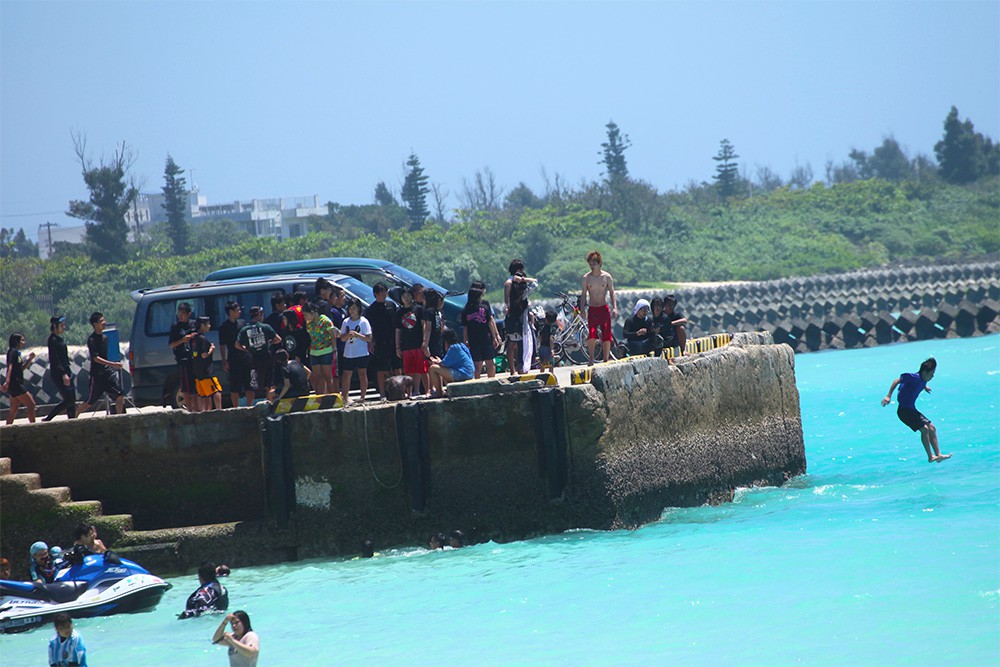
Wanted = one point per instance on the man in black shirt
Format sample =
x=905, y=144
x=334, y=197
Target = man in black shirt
x=409, y=341
x=103, y=373
x=291, y=378
x=673, y=331
x=382, y=316
x=59, y=370
x=255, y=338
x=181, y=333
x=278, y=304
x=235, y=362
x=433, y=324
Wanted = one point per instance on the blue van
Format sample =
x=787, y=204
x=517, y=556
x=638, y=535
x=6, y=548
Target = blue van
x=154, y=371
x=365, y=270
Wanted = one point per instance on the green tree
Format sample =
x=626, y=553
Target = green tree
x=175, y=203
x=960, y=152
x=888, y=162
x=415, y=191
x=384, y=196
x=522, y=197
x=613, y=155
x=727, y=170
x=16, y=244
x=112, y=193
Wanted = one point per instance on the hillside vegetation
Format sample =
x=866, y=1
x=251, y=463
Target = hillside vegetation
x=653, y=237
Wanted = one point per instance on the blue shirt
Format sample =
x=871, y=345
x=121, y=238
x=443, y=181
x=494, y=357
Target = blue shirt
x=910, y=386
x=67, y=651
x=459, y=361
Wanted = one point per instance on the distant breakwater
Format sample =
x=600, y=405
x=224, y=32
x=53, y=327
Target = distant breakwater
x=846, y=310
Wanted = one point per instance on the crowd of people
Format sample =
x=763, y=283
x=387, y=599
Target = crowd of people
x=317, y=343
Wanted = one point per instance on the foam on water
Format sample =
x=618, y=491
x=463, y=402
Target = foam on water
x=874, y=557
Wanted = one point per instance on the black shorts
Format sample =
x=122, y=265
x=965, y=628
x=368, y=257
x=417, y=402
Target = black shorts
x=385, y=358
x=239, y=377
x=355, y=363
x=482, y=350
x=261, y=372
x=185, y=377
x=101, y=383
x=912, y=418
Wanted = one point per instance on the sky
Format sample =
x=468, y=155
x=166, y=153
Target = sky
x=285, y=99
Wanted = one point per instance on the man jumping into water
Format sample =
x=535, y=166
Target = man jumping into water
x=910, y=386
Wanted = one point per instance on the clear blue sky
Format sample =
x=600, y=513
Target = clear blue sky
x=272, y=99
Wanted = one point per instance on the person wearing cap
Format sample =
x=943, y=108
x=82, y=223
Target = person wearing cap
x=40, y=568
x=639, y=332
x=59, y=369
x=256, y=338
x=182, y=332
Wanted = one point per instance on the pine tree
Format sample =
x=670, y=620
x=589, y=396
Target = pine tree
x=960, y=153
x=613, y=155
x=175, y=203
x=727, y=171
x=414, y=192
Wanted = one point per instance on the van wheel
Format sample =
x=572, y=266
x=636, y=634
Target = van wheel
x=172, y=396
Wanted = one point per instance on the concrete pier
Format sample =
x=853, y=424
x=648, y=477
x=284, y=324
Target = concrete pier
x=499, y=462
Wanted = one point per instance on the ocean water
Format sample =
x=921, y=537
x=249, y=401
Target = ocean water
x=875, y=557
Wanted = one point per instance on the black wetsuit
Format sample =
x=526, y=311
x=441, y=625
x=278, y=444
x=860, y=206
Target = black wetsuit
x=58, y=369
x=213, y=596
x=15, y=373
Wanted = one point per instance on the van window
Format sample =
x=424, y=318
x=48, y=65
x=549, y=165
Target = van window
x=246, y=300
x=161, y=315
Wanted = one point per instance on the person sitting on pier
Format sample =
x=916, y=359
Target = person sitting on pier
x=209, y=596
x=456, y=366
x=41, y=568
x=639, y=332
x=670, y=324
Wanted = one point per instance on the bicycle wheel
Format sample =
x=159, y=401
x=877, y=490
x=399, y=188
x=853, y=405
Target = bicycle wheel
x=579, y=354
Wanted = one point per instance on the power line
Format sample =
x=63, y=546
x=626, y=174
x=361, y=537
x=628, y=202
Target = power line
x=26, y=215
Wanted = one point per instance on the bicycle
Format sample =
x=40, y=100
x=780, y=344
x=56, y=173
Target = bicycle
x=569, y=344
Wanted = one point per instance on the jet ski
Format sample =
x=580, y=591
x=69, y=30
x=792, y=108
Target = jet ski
x=94, y=585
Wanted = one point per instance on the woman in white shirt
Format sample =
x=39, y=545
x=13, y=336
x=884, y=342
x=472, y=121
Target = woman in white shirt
x=244, y=647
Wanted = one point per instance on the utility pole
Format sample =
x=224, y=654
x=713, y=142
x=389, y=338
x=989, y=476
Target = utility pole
x=48, y=226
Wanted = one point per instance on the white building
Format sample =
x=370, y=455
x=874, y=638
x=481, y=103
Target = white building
x=280, y=218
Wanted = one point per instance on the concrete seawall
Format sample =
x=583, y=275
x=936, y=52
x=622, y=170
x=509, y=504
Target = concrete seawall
x=504, y=463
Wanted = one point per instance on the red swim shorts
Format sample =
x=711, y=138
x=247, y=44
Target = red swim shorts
x=414, y=362
x=599, y=316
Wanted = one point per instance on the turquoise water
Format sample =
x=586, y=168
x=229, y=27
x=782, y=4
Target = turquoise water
x=874, y=558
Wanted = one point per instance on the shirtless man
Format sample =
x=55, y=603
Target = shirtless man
x=598, y=285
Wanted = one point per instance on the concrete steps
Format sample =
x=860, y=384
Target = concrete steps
x=33, y=512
